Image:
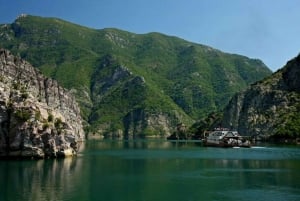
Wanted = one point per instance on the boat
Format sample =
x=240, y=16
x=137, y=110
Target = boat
x=225, y=138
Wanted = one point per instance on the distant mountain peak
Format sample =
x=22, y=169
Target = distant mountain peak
x=22, y=16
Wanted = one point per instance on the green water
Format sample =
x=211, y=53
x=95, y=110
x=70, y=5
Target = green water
x=156, y=171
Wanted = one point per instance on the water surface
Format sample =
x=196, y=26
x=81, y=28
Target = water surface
x=156, y=170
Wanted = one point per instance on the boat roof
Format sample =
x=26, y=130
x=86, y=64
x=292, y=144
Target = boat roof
x=228, y=133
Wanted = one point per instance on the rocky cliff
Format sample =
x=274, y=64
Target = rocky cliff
x=270, y=107
x=38, y=118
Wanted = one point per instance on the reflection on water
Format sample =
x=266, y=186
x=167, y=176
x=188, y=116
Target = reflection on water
x=156, y=170
x=37, y=180
x=139, y=144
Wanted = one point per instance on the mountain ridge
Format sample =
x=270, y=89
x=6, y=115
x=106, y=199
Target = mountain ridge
x=188, y=80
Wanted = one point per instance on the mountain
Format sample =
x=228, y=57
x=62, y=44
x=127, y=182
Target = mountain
x=128, y=83
x=269, y=108
x=38, y=118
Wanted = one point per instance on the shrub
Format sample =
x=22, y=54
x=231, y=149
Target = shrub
x=16, y=85
x=23, y=114
x=37, y=115
x=50, y=117
x=58, y=123
x=24, y=96
x=46, y=125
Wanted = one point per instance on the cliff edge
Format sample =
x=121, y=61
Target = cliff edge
x=38, y=118
x=269, y=108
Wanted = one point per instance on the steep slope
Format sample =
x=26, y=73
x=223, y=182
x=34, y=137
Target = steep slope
x=131, y=83
x=38, y=118
x=269, y=108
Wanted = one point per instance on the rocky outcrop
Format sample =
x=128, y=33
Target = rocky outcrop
x=144, y=123
x=38, y=118
x=269, y=107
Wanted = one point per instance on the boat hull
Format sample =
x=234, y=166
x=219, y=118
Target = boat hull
x=226, y=144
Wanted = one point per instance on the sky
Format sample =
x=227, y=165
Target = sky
x=263, y=29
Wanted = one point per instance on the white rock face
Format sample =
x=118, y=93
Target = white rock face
x=38, y=118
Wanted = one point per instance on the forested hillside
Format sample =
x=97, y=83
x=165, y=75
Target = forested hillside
x=126, y=83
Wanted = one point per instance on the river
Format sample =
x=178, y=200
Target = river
x=156, y=170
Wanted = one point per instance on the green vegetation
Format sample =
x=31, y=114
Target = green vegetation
x=58, y=123
x=289, y=128
x=37, y=116
x=46, y=125
x=212, y=121
x=116, y=73
x=50, y=118
x=22, y=114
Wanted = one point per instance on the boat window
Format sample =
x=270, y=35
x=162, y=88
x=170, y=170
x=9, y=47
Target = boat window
x=230, y=134
x=216, y=134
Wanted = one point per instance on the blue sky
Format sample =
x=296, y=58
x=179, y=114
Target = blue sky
x=265, y=29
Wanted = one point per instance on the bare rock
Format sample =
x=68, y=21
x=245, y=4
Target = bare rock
x=38, y=118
